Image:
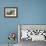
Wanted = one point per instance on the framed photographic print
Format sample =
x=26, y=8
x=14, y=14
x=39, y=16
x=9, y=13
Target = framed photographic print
x=11, y=12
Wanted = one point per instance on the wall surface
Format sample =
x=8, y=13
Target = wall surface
x=29, y=12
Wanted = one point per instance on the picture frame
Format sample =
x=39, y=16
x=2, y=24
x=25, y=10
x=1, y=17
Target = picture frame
x=37, y=29
x=10, y=12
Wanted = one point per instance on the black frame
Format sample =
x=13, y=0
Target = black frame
x=11, y=16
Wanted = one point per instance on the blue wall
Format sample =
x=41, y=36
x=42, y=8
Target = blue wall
x=29, y=12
